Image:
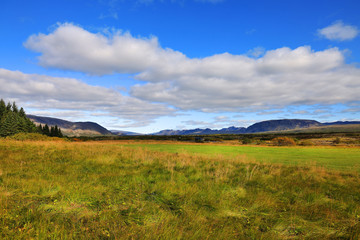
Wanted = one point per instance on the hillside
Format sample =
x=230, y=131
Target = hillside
x=281, y=125
x=72, y=128
x=207, y=131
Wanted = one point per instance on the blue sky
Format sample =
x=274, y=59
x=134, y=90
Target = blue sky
x=149, y=65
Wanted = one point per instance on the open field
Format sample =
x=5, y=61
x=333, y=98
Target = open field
x=340, y=158
x=147, y=190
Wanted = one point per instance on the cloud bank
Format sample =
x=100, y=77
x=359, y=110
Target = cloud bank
x=338, y=31
x=224, y=82
x=46, y=93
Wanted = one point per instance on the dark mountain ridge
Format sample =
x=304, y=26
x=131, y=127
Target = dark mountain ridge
x=199, y=131
x=342, y=123
x=281, y=125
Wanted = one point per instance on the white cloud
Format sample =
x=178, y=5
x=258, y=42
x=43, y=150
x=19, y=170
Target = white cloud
x=46, y=93
x=339, y=31
x=228, y=82
x=71, y=47
x=302, y=112
x=219, y=83
x=256, y=52
x=269, y=112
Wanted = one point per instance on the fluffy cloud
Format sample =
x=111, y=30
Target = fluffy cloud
x=227, y=82
x=70, y=47
x=224, y=82
x=46, y=93
x=339, y=31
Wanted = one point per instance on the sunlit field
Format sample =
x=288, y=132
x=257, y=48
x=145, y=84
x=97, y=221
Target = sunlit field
x=147, y=190
x=340, y=158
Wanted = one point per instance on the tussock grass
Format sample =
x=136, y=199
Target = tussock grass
x=100, y=190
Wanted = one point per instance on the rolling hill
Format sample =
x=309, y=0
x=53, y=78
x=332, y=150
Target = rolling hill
x=72, y=128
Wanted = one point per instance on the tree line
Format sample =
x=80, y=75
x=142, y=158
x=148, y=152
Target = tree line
x=53, y=131
x=14, y=120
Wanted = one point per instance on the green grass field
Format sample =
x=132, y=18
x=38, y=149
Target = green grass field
x=112, y=190
x=341, y=158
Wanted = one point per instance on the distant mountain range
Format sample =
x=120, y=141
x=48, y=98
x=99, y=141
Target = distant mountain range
x=265, y=126
x=93, y=129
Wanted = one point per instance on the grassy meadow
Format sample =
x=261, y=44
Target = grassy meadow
x=340, y=158
x=139, y=190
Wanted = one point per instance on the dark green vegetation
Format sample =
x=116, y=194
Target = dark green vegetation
x=103, y=190
x=13, y=120
x=53, y=131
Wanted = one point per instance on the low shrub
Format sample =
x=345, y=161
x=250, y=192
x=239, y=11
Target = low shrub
x=283, y=141
x=31, y=137
x=307, y=143
x=246, y=141
x=337, y=140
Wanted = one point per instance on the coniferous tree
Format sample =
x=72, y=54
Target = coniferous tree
x=2, y=108
x=8, y=107
x=9, y=124
x=46, y=130
x=60, y=133
x=14, y=108
x=22, y=113
x=39, y=129
x=13, y=120
x=52, y=131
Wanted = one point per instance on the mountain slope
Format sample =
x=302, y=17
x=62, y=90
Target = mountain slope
x=270, y=126
x=72, y=128
x=281, y=125
x=198, y=131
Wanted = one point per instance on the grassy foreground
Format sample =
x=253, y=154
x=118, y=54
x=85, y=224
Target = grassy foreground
x=100, y=190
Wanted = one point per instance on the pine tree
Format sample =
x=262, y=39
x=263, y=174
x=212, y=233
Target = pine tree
x=14, y=108
x=9, y=124
x=2, y=108
x=22, y=113
x=60, y=133
x=46, y=130
x=39, y=128
x=8, y=107
x=13, y=120
x=52, y=131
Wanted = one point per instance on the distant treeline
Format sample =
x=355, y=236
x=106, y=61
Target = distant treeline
x=14, y=120
x=53, y=131
x=244, y=138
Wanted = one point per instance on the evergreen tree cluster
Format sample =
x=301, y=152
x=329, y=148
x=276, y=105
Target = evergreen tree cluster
x=13, y=120
x=53, y=131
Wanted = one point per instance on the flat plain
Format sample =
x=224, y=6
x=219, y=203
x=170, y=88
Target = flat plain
x=154, y=190
x=341, y=158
